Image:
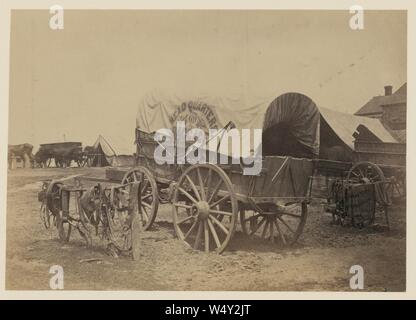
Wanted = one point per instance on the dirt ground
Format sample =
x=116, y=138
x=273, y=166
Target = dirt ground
x=319, y=262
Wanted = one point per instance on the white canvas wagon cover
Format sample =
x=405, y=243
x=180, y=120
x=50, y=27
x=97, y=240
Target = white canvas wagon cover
x=292, y=115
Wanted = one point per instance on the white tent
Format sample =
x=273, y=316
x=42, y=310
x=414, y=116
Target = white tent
x=104, y=154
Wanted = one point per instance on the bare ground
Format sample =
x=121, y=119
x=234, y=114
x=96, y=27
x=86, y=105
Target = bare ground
x=319, y=262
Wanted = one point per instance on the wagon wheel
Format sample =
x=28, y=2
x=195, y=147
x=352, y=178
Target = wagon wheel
x=64, y=227
x=120, y=231
x=366, y=172
x=149, y=194
x=45, y=215
x=62, y=220
x=123, y=232
x=213, y=212
x=53, y=197
x=284, y=226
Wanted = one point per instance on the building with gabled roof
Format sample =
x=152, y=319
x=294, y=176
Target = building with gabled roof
x=390, y=109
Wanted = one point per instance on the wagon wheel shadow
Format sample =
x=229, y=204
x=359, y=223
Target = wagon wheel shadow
x=77, y=246
x=242, y=242
x=163, y=225
x=239, y=242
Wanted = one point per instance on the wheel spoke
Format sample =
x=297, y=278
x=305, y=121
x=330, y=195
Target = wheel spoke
x=252, y=217
x=193, y=188
x=282, y=236
x=190, y=230
x=263, y=234
x=187, y=195
x=217, y=222
x=219, y=201
x=374, y=178
x=145, y=185
x=181, y=205
x=225, y=213
x=145, y=214
x=287, y=226
x=206, y=231
x=145, y=204
x=271, y=232
x=146, y=196
x=292, y=215
x=258, y=226
x=208, y=182
x=198, y=235
x=214, y=234
x=215, y=191
x=355, y=174
x=201, y=185
x=185, y=219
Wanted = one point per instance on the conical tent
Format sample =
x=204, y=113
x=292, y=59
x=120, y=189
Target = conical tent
x=103, y=154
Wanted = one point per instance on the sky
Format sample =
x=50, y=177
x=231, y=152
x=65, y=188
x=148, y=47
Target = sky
x=87, y=79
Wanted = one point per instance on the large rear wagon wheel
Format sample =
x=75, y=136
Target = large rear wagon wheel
x=205, y=208
x=283, y=227
x=149, y=194
x=367, y=172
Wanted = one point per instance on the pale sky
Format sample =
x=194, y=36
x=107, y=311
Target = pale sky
x=88, y=78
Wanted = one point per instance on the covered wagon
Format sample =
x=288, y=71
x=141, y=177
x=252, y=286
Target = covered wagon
x=208, y=199
x=63, y=153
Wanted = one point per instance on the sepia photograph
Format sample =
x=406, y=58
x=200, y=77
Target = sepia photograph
x=207, y=150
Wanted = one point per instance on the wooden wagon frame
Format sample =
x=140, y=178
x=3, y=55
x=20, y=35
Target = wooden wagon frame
x=208, y=198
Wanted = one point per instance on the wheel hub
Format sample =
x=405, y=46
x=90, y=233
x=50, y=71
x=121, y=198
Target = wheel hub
x=202, y=210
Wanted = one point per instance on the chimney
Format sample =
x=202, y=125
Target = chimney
x=388, y=90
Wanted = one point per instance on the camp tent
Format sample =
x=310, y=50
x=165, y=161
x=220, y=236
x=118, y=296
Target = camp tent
x=104, y=154
x=292, y=123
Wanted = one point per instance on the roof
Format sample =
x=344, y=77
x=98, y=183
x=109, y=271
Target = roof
x=399, y=135
x=345, y=125
x=402, y=90
x=375, y=104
